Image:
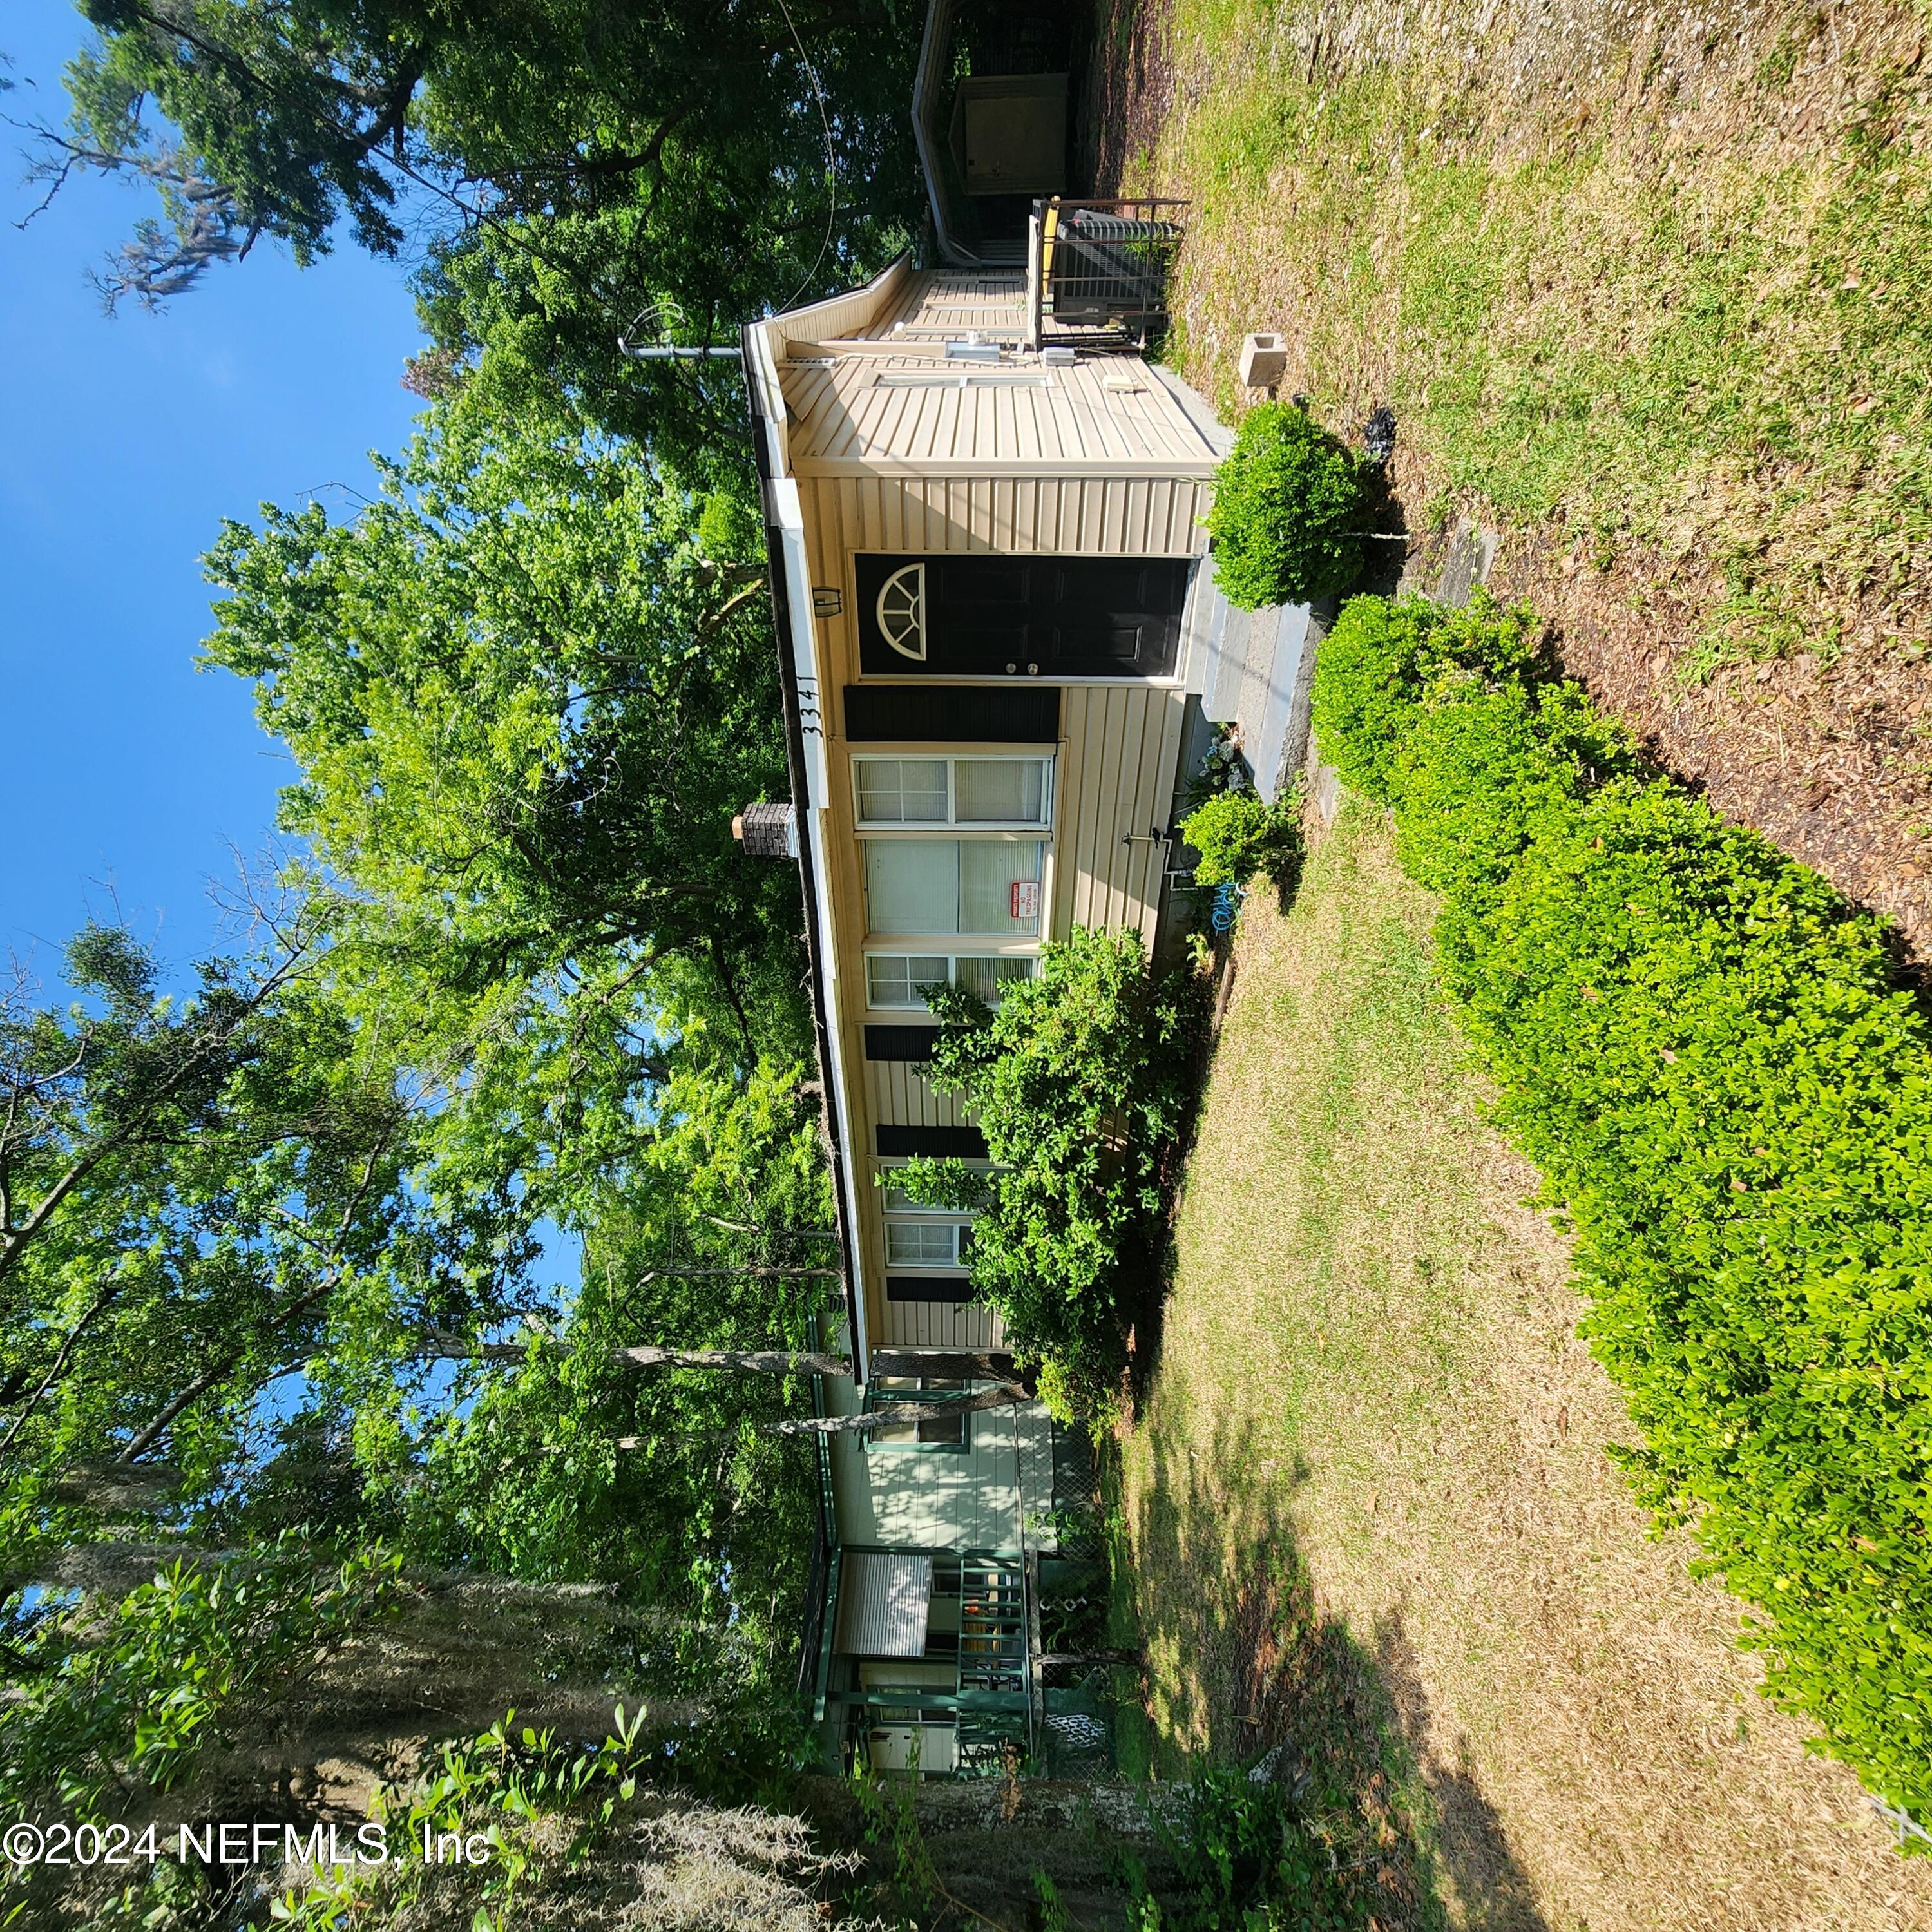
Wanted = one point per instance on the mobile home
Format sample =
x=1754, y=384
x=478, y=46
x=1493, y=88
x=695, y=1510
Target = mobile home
x=1002, y=650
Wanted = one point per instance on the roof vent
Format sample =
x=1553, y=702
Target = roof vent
x=766, y=832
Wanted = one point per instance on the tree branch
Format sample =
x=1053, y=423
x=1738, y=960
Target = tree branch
x=949, y=1365
x=53, y=1374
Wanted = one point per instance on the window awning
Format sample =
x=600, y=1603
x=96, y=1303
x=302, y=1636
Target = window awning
x=883, y=1598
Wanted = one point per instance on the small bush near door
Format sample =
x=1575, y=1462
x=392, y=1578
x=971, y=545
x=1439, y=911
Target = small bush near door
x=1079, y=1083
x=1288, y=505
x=1703, y=1047
x=1237, y=835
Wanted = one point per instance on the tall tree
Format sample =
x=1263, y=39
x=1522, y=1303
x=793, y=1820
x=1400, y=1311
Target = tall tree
x=527, y=688
x=566, y=174
x=195, y=1192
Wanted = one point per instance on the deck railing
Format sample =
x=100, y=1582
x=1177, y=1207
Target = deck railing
x=1097, y=271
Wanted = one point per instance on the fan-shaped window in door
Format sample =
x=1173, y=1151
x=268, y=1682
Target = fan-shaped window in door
x=901, y=611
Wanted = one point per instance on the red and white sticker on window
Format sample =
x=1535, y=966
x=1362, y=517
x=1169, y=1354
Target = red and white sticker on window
x=1025, y=899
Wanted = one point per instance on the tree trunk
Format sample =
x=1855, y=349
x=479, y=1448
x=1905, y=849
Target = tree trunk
x=932, y=1364
x=1006, y=1396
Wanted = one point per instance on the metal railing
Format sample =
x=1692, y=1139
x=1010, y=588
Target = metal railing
x=1097, y=272
x=992, y=1626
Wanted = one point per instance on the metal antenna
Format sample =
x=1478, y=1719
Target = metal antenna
x=654, y=324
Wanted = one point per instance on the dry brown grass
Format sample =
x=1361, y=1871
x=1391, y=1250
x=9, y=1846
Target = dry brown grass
x=1372, y=1516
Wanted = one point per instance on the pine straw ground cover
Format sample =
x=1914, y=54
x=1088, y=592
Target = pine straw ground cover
x=1645, y=287
x=1369, y=1513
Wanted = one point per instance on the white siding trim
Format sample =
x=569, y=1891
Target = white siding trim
x=788, y=516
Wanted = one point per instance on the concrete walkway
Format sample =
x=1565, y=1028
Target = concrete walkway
x=1249, y=668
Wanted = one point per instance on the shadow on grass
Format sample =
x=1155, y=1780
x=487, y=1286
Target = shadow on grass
x=1245, y=1664
x=1153, y=1264
x=1385, y=552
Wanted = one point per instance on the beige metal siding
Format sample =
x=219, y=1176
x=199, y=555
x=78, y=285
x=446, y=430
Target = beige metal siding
x=953, y=300
x=1078, y=515
x=941, y=1324
x=1119, y=743
x=851, y=314
x=841, y=413
x=900, y=1095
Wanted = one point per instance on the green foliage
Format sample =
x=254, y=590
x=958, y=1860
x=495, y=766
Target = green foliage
x=1078, y=1081
x=541, y=1806
x=527, y=688
x=143, y=1698
x=1701, y=1045
x=1581, y=339
x=266, y=1238
x=523, y=1478
x=1380, y=658
x=197, y=1185
x=599, y=173
x=1289, y=503
x=1243, y=1861
x=1237, y=836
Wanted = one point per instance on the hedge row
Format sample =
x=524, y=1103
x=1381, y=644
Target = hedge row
x=1703, y=1047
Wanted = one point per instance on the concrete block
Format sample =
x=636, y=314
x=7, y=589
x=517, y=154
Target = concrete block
x=1264, y=361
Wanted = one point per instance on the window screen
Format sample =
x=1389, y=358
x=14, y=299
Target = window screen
x=912, y=885
x=924, y=1243
x=952, y=885
x=1000, y=791
x=988, y=870
x=902, y=791
x=942, y=1432
x=901, y=980
x=987, y=977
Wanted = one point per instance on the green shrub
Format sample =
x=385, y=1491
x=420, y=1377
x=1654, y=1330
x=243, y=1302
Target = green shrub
x=1380, y=659
x=1237, y=836
x=1078, y=1081
x=1243, y=1860
x=1288, y=502
x=1699, y=1043
x=1484, y=763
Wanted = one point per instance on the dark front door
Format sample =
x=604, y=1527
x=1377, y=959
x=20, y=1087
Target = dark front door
x=984, y=615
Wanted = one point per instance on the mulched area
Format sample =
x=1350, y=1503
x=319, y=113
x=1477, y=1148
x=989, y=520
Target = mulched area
x=1819, y=759
x=1826, y=761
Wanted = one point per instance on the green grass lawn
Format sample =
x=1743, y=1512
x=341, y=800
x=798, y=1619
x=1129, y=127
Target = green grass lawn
x=1673, y=291
x=1369, y=1521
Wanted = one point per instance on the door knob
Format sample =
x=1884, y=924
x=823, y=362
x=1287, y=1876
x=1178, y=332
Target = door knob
x=1011, y=669
x=1033, y=671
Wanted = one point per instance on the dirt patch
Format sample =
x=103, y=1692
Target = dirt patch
x=1829, y=761
x=1378, y=1542
x=1645, y=287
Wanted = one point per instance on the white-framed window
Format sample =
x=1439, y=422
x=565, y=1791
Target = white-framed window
x=898, y=1201
x=898, y=982
x=988, y=887
x=926, y=1244
x=1004, y=791
x=921, y=1237
x=944, y=1431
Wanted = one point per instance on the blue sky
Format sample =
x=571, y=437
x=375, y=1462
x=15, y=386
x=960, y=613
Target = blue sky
x=123, y=443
